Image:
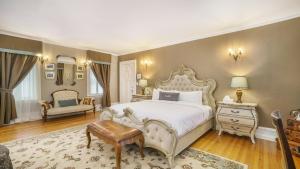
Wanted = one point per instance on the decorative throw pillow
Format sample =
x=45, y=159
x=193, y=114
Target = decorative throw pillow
x=87, y=101
x=170, y=96
x=66, y=103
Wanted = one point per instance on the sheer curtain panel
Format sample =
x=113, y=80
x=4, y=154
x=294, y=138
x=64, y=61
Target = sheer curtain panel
x=27, y=95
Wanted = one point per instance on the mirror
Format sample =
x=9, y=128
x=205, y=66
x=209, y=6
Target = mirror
x=66, y=66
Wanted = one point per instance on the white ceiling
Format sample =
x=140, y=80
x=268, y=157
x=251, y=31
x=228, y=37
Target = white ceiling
x=126, y=26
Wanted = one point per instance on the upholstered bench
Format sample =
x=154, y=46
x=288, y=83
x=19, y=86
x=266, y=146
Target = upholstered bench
x=115, y=134
x=5, y=162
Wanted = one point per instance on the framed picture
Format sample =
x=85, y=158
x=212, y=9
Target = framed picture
x=49, y=66
x=138, y=76
x=79, y=76
x=80, y=68
x=49, y=75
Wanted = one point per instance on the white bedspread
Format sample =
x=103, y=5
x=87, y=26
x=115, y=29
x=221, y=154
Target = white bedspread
x=183, y=117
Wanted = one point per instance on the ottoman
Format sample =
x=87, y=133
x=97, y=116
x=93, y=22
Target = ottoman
x=115, y=134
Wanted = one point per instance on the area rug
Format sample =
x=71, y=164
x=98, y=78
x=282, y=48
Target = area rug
x=66, y=149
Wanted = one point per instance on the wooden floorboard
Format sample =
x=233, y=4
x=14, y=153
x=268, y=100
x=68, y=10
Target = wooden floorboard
x=262, y=155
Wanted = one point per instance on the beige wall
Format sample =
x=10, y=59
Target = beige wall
x=271, y=63
x=114, y=79
x=48, y=86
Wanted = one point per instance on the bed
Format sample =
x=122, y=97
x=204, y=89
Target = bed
x=168, y=126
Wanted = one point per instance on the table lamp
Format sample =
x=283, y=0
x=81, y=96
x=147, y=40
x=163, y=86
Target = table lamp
x=143, y=83
x=239, y=83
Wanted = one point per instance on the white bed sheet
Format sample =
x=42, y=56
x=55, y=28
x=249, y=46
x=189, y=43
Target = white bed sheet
x=182, y=116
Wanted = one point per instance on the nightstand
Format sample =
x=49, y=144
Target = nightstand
x=237, y=118
x=140, y=97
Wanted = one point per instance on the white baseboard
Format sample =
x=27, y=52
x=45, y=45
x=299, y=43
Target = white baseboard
x=266, y=133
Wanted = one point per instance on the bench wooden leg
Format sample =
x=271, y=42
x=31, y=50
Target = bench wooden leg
x=141, y=141
x=88, y=134
x=118, y=149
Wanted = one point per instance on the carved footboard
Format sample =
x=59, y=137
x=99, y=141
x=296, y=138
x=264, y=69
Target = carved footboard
x=158, y=134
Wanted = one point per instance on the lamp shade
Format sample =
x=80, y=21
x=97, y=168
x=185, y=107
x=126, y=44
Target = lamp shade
x=143, y=82
x=239, y=82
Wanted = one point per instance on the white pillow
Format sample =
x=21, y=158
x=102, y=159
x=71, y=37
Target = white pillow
x=191, y=97
x=155, y=94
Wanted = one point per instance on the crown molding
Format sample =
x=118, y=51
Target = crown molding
x=170, y=43
x=44, y=40
x=223, y=32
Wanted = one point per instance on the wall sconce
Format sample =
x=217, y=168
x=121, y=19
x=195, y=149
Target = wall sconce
x=42, y=58
x=235, y=53
x=146, y=62
x=87, y=62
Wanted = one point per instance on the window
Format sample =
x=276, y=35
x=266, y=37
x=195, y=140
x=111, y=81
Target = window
x=27, y=94
x=94, y=86
x=27, y=89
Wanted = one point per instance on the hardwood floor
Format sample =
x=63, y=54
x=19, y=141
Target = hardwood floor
x=262, y=155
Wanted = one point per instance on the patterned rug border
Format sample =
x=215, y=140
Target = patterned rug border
x=42, y=135
x=225, y=158
x=60, y=131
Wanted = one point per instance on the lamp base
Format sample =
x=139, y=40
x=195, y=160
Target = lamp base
x=143, y=91
x=239, y=94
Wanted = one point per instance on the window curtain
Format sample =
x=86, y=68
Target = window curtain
x=102, y=74
x=13, y=69
x=27, y=95
x=94, y=88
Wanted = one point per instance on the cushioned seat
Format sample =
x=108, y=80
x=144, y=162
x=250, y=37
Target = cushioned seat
x=113, y=130
x=5, y=162
x=66, y=102
x=63, y=110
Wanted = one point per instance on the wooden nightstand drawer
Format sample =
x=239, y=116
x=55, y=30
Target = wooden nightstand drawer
x=237, y=128
x=236, y=120
x=236, y=112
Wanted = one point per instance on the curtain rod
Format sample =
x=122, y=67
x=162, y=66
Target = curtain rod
x=17, y=51
x=100, y=62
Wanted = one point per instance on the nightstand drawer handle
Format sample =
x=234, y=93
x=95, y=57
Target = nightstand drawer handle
x=235, y=128
x=232, y=111
x=234, y=120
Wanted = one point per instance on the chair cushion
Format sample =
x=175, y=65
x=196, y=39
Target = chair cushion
x=69, y=109
x=66, y=103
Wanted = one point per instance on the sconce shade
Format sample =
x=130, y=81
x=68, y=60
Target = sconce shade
x=143, y=83
x=239, y=82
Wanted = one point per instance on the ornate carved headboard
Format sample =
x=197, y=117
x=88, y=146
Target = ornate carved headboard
x=184, y=79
